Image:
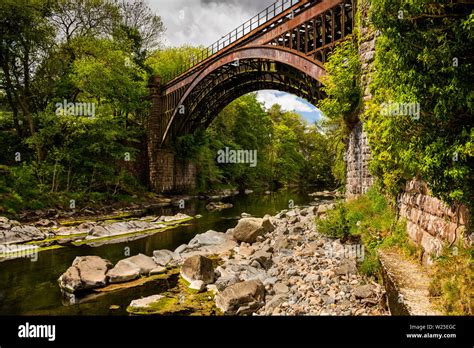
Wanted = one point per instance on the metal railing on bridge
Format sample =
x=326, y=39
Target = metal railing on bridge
x=261, y=18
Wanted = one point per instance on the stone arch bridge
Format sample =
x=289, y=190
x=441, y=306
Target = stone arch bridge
x=284, y=47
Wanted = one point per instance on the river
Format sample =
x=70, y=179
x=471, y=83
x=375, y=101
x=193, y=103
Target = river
x=30, y=287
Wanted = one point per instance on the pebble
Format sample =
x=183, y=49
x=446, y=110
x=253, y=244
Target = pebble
x=280, y=288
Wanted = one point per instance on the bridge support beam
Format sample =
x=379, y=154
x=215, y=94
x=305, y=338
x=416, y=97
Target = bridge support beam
x=166, y=172
x=161, y=170
x=358, y=178
x=169, y=173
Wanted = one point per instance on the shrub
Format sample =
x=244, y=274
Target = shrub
x=452, y=277
x=335, y=224
x=370, y=219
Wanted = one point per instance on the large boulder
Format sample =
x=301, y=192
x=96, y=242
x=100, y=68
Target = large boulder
x=85, y=227
x=145, y=302
x=241, y=298
x=346, y=267
x=145, y=263
x=246, y=250
x=123, y=271
x=86, y=272
x=208, y=238
x=280, y=288
x=198, y=267
x=248, y=229
x=163, y=257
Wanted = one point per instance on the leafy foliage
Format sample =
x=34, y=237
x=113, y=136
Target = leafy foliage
x=342, y=103
x=451, y=283
x=289, y=151
x=370, y=219
x=423, y=56
x=56, y=52
x=167, y=62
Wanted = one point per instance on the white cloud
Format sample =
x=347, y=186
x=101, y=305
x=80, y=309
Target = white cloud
x=288, y=102
x=197, y=22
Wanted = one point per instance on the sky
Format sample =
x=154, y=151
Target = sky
x=202, y=22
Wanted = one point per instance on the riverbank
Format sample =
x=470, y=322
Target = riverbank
x=41, y=230
x=29, y=284
x=24, y=240
x=276, y=265
x=131, y=207
x=45, y=229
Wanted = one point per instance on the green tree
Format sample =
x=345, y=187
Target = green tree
x=424, y=56
x=289, y=151
x=167, y=62
x=91, y=51
x=26, y=36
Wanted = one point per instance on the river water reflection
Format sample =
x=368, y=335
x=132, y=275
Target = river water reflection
x=31, y=288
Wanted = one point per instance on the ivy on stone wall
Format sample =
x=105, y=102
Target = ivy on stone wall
x=342, y=104
x=420, y=118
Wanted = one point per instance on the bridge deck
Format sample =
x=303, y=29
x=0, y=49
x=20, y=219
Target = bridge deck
x=271, y=17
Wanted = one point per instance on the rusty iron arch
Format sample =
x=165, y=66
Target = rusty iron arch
x=244, y=89
x=278, y=54
x=212, y=100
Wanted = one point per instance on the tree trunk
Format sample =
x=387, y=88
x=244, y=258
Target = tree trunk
x=4, y=58
x=68, y=180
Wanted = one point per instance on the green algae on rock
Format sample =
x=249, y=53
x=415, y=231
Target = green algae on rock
x=179, y=300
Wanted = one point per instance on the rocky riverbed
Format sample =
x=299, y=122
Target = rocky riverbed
x=24, y=239
x=33, y=231
x=276, y=265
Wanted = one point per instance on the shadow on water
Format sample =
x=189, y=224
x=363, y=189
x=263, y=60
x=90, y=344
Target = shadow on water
x=28, y=287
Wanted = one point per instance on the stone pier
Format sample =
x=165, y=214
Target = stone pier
x=166, y=172
x=358, y=177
